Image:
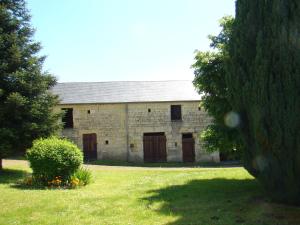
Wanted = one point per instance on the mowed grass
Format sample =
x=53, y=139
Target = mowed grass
x=135, y=196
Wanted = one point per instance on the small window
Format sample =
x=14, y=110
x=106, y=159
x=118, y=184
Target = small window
x=175, y=112
x=199, y=108
x=149, y=110
x=89, y=111
x=106, y=142
x=67, y=118
x=175, y=144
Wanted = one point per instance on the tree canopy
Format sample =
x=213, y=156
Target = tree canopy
x=263, y=80
x=26, y=105
x=211, y=84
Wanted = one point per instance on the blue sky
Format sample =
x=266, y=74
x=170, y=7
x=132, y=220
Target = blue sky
x=108, y=40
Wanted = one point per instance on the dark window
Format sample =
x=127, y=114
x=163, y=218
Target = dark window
x=187, y=135
x=106, y=142
x=154, y=134
x=89, y=111
x=175, y=112
x=149, y=110
x=67, y=118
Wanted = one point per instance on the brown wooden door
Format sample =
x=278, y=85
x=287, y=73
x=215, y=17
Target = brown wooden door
x=188, y=149
x=155, y=148
x=89, y=146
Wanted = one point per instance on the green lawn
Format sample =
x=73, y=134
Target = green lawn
x=139, y=195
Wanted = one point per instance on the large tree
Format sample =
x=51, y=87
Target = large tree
x=263, y=82
x=26, y=105
x=211, y=84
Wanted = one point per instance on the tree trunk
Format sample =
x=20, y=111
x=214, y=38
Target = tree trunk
x=1, y=164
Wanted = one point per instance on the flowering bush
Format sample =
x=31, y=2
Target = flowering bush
x=75, y=182
x=54, y=160
x=83, y=176
x=80, y=178
x=56, y=164
x=56, y=182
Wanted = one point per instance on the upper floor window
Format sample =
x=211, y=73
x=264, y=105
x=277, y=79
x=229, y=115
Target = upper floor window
x=67, y=118
x=176, y=112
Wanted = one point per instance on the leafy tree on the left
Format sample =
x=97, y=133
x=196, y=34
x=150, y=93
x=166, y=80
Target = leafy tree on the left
x=26, y=104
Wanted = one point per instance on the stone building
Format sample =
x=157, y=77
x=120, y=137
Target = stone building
x=150, y=121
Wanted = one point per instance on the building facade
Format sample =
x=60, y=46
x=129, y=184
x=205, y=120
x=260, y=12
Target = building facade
x=134, y=127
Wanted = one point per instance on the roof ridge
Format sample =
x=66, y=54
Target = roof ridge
x=118, y=81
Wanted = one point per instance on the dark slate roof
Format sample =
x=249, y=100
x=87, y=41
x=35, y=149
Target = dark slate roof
x=125, y=91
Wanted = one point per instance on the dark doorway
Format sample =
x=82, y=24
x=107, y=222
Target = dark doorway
x=188, y=148
x=155, y=147
x=89, y=146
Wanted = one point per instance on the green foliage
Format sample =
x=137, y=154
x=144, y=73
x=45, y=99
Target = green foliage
x=222, y=139
x=263, y=82
x=211, y=84
x=53, y=157
x=83, y=175
x=26, y=105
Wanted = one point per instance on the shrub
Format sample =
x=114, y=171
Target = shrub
x=81, y=177
x=53, y=157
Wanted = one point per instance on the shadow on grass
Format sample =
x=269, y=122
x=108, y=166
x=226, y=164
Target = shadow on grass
x=219, y=201
x=8, y=176
x=163, y=165
x=14, y=178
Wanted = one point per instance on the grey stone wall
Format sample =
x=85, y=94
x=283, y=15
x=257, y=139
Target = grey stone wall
x=107, y=121
x=123, y=126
